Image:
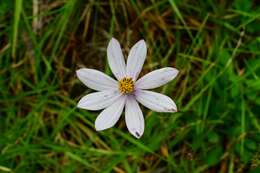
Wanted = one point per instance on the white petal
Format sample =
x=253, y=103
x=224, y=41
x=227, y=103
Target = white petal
x=155, y=101
x=98, y=100
x=136, y=59
x=134, y=117
x=116, y=59
x=109, y=116
x=96, y=80
x=156, y=78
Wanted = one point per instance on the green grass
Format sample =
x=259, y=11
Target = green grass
x=214, y=44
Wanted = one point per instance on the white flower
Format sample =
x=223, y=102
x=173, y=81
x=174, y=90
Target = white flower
x=113, y=96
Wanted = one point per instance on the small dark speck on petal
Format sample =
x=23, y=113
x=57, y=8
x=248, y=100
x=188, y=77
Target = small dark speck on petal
x=172, y=110
x=137, y=134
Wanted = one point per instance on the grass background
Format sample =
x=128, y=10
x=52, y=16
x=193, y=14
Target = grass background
x=214, y=43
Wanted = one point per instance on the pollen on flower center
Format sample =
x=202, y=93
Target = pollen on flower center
x=126, y=85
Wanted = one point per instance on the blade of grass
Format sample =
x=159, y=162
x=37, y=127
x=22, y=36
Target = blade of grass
x=17, y=14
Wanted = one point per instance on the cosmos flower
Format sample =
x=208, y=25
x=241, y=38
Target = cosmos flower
x=113, y=96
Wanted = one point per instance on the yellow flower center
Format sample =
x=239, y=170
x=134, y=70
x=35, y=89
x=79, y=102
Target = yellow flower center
x=126, y=85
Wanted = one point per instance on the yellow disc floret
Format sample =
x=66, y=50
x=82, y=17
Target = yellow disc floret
x=126, y=85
